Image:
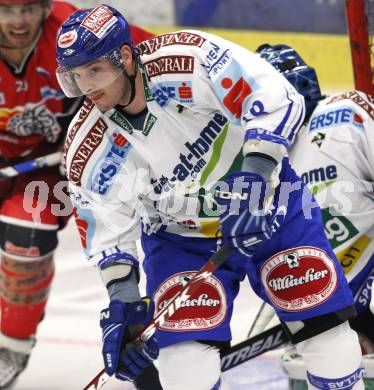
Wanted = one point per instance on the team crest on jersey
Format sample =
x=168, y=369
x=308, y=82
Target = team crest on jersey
x=205, y=309
x=99, y=20
x=67, y=39
x=318, y=139
x=299, y=279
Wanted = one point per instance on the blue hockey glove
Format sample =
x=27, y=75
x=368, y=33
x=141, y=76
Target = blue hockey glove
x=120, y=323
x=244, y=224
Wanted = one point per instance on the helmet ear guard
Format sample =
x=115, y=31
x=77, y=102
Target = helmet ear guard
x=115, y=58
x=303, y=77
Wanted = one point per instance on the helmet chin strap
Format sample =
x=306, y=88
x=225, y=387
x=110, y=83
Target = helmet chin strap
x=131, y=79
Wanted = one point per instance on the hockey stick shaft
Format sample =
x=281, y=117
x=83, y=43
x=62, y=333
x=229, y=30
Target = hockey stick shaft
x=171, y=307
x=263, y=318
x=44, y=161
x=252, y=347
x=256, y=319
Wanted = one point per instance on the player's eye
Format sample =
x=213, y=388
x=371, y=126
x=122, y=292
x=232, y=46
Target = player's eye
x=29, y=9
x=6, y=10
x=93, y=72
x=75, y=76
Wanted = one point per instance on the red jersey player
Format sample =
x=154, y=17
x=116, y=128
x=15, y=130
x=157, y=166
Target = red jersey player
x=34, y=115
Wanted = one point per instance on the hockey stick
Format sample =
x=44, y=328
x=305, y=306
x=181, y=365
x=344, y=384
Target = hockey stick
x=169, y=309
x=256, y=319
x=263, y=318
x=252, y=347
x=234, y=356
x=44, y=161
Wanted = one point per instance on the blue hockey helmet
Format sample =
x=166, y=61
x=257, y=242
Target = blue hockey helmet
x=303, y=77
x=91, y=33
x=86, y=36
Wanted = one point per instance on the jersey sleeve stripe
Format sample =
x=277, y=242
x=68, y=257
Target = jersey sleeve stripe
x=296, y=127
x=279, y=130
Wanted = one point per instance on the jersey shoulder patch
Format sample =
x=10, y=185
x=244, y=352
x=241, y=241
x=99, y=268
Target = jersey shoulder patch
x=184, y=38
x=358, y=99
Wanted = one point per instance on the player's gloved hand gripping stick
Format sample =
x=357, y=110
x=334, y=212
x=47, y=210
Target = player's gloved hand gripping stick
x=174, y=304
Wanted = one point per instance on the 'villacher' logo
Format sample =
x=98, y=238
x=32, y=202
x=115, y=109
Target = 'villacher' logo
x=290, y=281
x=204, y=309
x=299, y=279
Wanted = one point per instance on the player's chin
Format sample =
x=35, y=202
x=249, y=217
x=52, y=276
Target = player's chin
x=103, y=104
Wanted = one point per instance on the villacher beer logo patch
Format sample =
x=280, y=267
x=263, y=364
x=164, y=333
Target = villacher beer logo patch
x=205, y=309
x=299, y=279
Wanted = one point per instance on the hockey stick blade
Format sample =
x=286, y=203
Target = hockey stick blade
x=170, y=308
x=31, y=165
x=252, y=347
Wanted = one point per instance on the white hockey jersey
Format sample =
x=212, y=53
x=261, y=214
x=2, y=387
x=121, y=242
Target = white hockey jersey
x=334, y=155
x=205, y=96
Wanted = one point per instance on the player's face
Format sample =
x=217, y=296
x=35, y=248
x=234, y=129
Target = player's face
x=20, y=24
x=102, y=82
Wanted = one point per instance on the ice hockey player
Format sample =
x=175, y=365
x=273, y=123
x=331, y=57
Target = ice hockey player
x=34, y=117
x=179, y=138
x=334, y=155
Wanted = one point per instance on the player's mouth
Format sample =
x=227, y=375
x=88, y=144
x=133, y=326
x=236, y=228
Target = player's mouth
x=96, y=97
x=19, y=35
